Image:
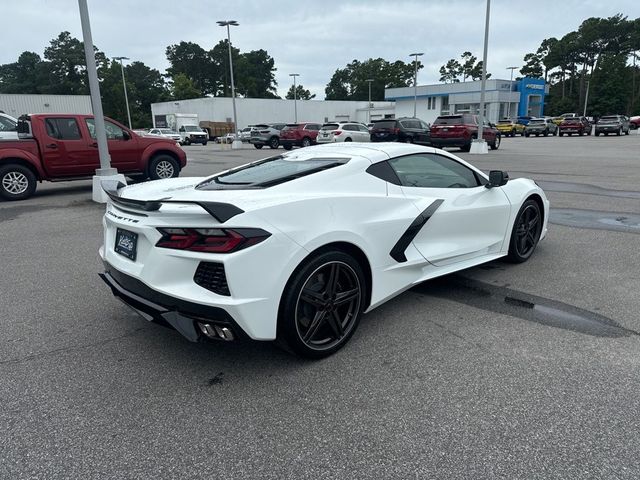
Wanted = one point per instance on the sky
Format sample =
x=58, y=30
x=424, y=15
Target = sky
x=310, y=38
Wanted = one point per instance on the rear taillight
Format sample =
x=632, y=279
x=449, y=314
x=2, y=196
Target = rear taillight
x=337, y=132
x=211, y=240
x=396, y=131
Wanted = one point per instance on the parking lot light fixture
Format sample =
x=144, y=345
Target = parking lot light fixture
x=369, y=80
x=227, y=23
x=415, y=81
x=105, y=172
x=510, y=90
x=295, y=96
x=479, y=146
x=124, y=85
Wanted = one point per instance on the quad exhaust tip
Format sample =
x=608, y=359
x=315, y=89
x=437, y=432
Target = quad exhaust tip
x=215, y=332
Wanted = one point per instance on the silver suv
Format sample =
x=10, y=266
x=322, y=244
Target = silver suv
x=617, y=124
x=540, y=126
x=266, y=134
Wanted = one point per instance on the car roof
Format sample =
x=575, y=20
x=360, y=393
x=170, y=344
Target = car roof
x=374, y=152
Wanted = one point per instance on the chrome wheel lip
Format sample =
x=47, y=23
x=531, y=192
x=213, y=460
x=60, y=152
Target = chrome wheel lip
x=352, y=314
x=165, y=169
x=15, y=183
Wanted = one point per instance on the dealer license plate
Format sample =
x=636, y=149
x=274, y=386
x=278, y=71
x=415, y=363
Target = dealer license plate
x=126, y=243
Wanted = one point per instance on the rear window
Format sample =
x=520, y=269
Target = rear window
x=453, y=120
x=609, y=118
x=262, y=125
x=572, y=120
x=269, y=172
x=385, y=124
x=505, y=122
x=534, y=122
x=330, y=126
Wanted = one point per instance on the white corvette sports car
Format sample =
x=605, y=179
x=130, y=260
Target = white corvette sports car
x=296, y=247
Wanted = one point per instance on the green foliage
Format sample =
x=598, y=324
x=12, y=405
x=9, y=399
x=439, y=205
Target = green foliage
x=470, y=68
x=301, y=93
x=183, y=88
x=350, y=83
x=532, y=66
x=450, y=71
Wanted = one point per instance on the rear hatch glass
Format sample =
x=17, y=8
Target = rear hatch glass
x=453, y=120
x=608, y=119
x=330, y=126
x=384, y=125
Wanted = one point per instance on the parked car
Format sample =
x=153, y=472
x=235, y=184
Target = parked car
x=612, y=124
x=571, y=125
x=63, y=147
x=634, y=123
x=8, y=127
x=559, y=119
x=540, y=126
x=406, y=129
x=245, y=134
x=165, y=132
x=192, y=134
x=266, y=134
x=299, y=134
x=506, y=127
x=343, y=132
x=460, y=130
x=297, y=247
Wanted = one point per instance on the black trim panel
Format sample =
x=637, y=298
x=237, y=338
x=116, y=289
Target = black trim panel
x=397, y=252
x=220, y=211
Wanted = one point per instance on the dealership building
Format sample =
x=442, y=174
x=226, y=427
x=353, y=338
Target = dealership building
x=503, y=98
x=19, y=104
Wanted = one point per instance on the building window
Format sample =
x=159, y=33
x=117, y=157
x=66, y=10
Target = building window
x=444, y=108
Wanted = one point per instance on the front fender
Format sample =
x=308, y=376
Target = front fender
x=153, y=149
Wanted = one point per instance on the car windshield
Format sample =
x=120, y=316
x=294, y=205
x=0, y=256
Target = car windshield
x=453, y=120
x=269, y=172
x=191, y=128
x=329, y=126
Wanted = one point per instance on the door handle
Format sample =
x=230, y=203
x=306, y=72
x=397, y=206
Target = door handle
x=52, y=145
x=95, y=145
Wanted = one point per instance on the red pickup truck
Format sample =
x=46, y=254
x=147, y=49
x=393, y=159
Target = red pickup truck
x=61, y=147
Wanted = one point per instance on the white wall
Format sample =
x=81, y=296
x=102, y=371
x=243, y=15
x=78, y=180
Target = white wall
x=260, y=110
x=16, y=104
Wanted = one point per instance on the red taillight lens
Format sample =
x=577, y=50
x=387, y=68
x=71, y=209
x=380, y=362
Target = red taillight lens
x=337, y=132
x=211, y=240
x=396, y=131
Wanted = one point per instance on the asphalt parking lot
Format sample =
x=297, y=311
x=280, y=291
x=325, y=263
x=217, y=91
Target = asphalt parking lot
x=501, y=371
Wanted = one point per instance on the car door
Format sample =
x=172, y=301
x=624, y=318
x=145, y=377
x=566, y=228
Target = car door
x=123, y=147
x=467, y=220
x=64, y=150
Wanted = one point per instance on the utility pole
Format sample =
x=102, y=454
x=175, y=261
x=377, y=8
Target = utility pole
x=415, y=82
x=226, y=23
x=295, y=96
x=105, y=172
x=124, y=85
x=586, y=100
x=510, y=90
x=479, y=146
x=369, y=80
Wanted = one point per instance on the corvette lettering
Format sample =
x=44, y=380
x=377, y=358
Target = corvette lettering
x=120, y=217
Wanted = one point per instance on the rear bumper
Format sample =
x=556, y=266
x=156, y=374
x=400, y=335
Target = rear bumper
x=166, y=310
x=450, y=141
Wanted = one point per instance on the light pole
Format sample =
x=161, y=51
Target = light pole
x=586, y=100
x=124, y=85
x=369, y=80
x=227, y=23
x=295, y=96
x=105, y=172
x=415, y=82
x=479, y=145
x=510, y=90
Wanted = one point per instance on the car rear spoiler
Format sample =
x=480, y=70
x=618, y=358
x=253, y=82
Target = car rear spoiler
x=220, y=211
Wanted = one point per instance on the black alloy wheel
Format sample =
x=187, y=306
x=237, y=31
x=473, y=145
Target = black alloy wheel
x=274, y=143
x=306, y=141
x=257, y=145
x=526, y=232
x=322, y=305
x=496, y=143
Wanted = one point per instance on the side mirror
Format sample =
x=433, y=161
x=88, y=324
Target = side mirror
x=497, y=178
x=126, y=135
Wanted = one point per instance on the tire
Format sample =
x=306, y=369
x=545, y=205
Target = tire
x=258, y=145
x=546, y=133
x=163, y=166
x=560, y=134
x=306, y=141
x=513, y=133
x=287, y=146
x=496, y=143
x=204, y=144
x=525, y=234
x=597, y=134
x=627, y=132
x=465, y=148
x=347, y=139
x=16, y=182
x=138, y=178
x=310, y=296
x=274, y=142
x=186, y=141
x=619, y=132
x=581, y=133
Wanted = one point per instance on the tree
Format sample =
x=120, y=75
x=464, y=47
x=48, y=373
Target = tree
x=532, y=66
x=350, y=83
x=256, y=75
x=195, y=63
x=301, y=93
x=450, y=71
x=468, y=63
x=183, y=88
